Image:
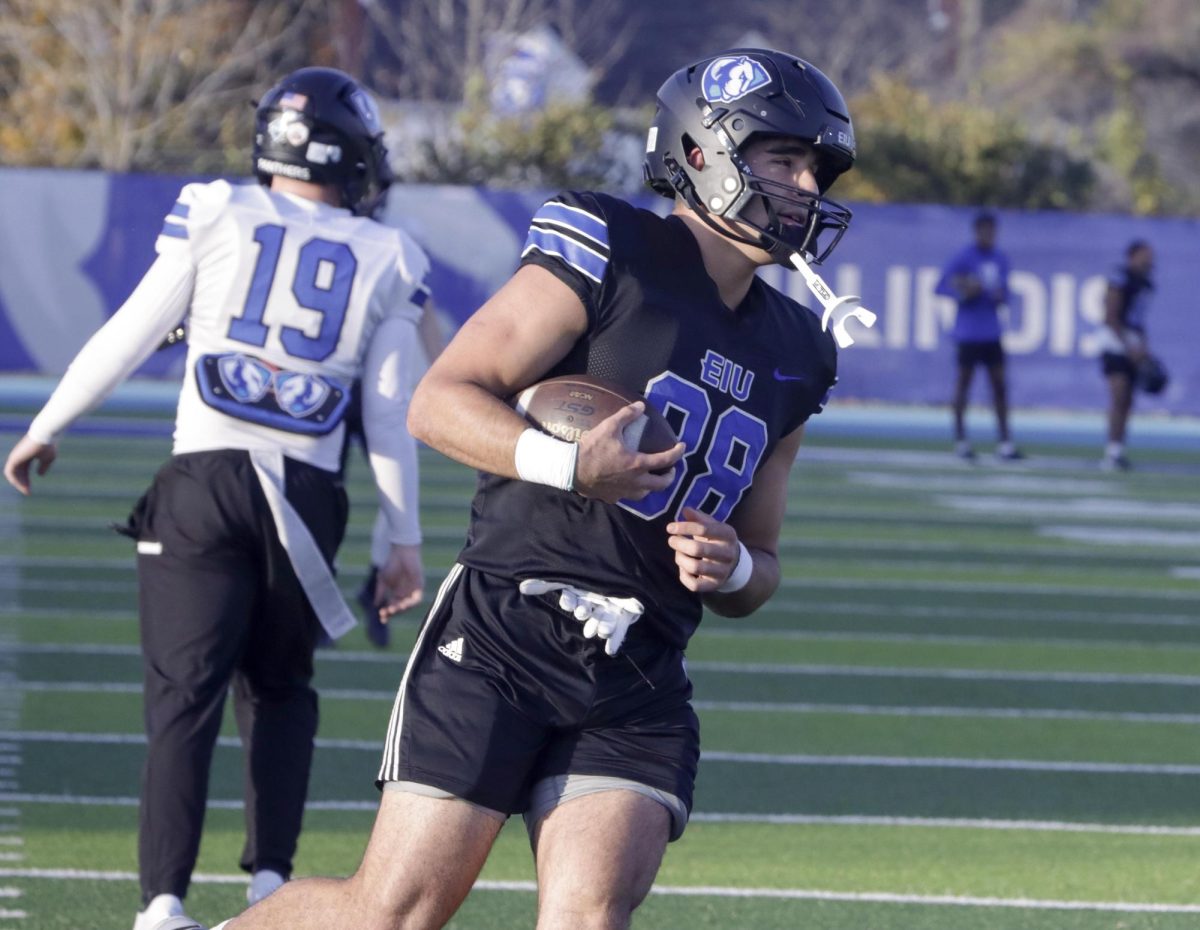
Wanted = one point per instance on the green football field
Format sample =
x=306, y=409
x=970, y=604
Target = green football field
x=973, y=703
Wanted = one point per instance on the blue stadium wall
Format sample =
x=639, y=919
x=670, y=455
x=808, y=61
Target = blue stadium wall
x=74, y=244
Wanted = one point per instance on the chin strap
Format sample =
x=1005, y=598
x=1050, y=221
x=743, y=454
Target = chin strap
x=837, y=309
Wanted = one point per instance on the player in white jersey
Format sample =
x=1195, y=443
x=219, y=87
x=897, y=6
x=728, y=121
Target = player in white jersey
x=289, y=291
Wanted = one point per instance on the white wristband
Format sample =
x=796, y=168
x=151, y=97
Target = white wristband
x=742, y=570
x=545, y=460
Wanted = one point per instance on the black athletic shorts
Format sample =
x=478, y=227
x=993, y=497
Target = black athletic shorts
x=1112, y=363
x=989, y=354
x=502, y=690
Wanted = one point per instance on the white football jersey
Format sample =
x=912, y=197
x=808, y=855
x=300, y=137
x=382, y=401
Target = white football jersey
x=287, y=294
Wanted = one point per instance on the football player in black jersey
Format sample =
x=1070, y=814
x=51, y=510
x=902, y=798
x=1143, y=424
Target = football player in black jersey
x=549, y=679
x=1126, y=301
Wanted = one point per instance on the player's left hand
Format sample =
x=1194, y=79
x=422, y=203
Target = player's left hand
x=23, y=454
x=706, y=550
x=400, y=583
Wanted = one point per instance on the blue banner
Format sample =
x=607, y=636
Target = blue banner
x=74, y=244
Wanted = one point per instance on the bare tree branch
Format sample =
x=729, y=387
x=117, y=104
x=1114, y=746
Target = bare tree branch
x=132, y=77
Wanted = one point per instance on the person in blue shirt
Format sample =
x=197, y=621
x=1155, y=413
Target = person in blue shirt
x=977, y=279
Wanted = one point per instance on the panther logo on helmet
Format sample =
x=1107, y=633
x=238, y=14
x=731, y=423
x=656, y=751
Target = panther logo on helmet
x=289, y=127
x=728, y=79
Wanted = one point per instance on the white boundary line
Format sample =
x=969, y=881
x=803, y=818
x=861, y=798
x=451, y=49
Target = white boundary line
x=842, y=820
x=399, y=658
x=707, y=891
x=964, y=612
x=948, y=762
x=376, y=746
x=849, y=761
x=770, y=668
x=1014, y=588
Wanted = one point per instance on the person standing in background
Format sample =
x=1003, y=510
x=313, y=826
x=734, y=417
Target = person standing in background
x=1126, y=302
x=288, y=291
x=977, y=279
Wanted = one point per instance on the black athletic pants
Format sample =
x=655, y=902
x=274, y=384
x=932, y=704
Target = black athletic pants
x=220, y=604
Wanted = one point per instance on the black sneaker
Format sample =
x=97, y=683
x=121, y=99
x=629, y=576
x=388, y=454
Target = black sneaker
x=377, y=631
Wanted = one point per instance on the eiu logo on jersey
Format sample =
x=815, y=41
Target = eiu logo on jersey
x=728, y=79
x=248, y=380
x=300, y=395
x=245, y=378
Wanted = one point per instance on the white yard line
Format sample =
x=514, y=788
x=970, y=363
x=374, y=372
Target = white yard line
x=1013, y=588
x=707, y=891
x=736, y=668
x=1127, y=508
x=951, y=762
x=854, y=761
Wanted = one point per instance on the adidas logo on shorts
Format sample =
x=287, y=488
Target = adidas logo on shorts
x=452, y=650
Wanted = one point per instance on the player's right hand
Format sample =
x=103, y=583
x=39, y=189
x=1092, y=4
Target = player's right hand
x=25, y=452
x=607, y=469
x=400, y=581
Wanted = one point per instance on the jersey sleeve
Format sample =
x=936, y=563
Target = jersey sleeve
x=195, y=205
x=411, y=291
x=569, y=237
x=156, y=305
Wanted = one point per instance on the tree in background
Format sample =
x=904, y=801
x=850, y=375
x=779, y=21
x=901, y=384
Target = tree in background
x=140, y=84
x=1116, y=81
x=1072, y=104
x=914, y=150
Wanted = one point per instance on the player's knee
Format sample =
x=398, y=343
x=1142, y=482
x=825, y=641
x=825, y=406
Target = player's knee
x=593, y=914
x=400, y=904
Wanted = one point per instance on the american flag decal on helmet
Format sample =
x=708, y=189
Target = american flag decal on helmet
x=293, y=101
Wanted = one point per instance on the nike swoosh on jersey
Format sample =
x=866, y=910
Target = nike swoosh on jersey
x=783, y=376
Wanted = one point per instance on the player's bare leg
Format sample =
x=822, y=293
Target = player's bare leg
x=596, y=859
x=997, y=375
x=1120, y=389
x=423, y=856
x=962, y=388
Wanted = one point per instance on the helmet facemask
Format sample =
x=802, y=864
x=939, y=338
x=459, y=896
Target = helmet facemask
x=796, y=220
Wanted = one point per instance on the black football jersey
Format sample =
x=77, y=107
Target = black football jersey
x=730, y=383
x=1136, y=291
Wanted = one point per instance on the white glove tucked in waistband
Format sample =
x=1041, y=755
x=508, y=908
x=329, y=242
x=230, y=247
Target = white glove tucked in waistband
x=607, y=617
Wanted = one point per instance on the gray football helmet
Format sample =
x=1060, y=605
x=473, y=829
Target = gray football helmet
x=719, y=104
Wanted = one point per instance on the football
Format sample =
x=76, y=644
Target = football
x=569, y=406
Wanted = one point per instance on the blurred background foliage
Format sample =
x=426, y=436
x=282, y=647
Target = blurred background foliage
x=1032, y=104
